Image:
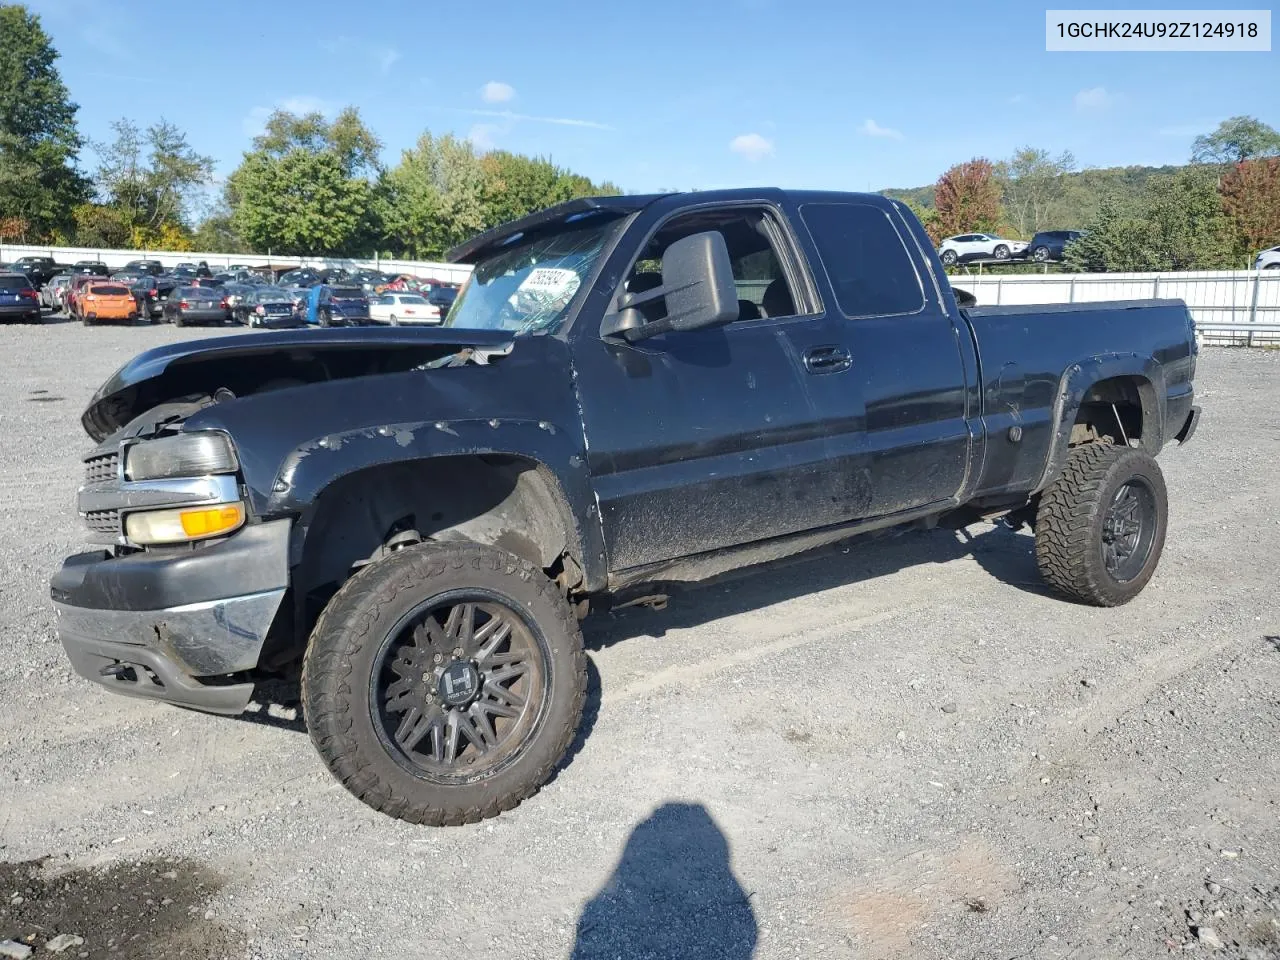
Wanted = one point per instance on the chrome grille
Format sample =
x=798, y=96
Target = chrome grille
x=100, y=468
x=103, y=521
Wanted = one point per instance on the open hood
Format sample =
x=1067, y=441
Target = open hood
x=255, y=362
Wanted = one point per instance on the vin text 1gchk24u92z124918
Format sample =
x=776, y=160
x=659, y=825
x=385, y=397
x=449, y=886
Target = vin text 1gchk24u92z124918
x=629, y=391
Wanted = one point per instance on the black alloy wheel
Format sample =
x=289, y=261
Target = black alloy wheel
x=458, y=687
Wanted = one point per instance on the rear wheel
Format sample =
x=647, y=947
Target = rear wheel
x=395, y=321
x=443, y=684
x=324, y=318
x=178, y=321
x=1100, y=526
x=1040, y=254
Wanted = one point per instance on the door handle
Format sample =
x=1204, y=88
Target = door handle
x=829, y=359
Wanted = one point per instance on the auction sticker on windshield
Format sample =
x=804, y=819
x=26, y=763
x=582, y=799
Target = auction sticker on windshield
x=550, y=282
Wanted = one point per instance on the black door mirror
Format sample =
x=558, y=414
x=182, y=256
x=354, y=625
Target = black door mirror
x=697, y=285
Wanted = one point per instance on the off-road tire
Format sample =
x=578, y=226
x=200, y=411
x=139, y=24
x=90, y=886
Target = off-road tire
x=1072, y=516
x=340, y=658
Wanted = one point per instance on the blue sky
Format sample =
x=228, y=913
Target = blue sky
x=663, y=94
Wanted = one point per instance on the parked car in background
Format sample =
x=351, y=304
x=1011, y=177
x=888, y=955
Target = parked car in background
x=153, y=267
x=978, y=246
x=51, y=293
x=39, y=270
x=89, y=268
x=272, y=307
x=1048, y=246
x=398, y=308
x=1268, y=259
x=441, y=296
x=302, y=277
x=19, y=299
x=328, y=306
x=107, y=300
x=70, y=300
x=191, y=305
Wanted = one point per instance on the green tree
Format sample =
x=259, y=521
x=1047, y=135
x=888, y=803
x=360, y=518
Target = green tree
x=298, y=203
x=1236, y=139
x=308, y=186
x=1033, y=184
x=151, y=176
x=356, y=146
x=928, y=217
x=1177, y=224
x=39, y=183
x=967, y=197
x=434, y=198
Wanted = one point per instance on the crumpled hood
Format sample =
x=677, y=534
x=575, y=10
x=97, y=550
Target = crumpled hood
x=251, y=362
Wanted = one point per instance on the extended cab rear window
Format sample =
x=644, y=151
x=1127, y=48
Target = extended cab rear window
x=866, y=260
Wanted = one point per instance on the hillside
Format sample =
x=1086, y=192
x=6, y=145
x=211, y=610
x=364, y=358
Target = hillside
x=1082, y=191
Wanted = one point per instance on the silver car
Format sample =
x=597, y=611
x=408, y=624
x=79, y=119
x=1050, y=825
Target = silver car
x=1268, y=259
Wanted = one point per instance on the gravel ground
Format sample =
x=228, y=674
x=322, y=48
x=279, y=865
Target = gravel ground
x=903, y=748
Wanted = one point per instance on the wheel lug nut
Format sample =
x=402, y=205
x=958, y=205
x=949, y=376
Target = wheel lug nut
x=457, y=651
x=438, y=657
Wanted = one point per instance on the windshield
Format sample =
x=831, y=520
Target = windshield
x=528, y=285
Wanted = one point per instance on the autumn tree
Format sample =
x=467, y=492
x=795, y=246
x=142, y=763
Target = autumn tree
x=1251, y=199
x=967, y=198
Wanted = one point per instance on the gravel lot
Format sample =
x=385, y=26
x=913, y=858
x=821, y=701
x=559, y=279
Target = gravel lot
x=903, y=748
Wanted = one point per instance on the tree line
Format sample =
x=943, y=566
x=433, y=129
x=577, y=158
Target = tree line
x=308, y=185
x=1214, y=213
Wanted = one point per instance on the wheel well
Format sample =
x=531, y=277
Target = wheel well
x=508, y=502
x=1115, y=410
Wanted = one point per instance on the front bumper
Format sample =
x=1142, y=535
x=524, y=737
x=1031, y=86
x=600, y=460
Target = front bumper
x=174, y=625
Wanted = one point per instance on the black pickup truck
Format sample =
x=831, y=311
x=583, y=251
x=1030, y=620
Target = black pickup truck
x=629, y=391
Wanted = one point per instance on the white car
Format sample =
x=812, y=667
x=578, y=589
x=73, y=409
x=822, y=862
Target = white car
x=1268, y=259
x=398, y=308
x=978, y=246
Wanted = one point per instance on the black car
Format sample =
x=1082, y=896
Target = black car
x=1048, y=245
x=18, y=298
x=441, y=296
x=39, y=270
x=302, y=277
x=191, y=305
x=152, y=267
x=89, y=268
x=271, y=307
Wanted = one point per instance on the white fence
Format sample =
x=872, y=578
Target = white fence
x=1230, y=307
x=451, y=272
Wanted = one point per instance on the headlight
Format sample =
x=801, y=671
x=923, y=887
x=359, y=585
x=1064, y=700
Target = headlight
x=186, y=455
x=187, y=523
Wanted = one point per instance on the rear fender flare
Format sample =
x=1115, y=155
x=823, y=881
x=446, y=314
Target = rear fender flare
x=1077, y=380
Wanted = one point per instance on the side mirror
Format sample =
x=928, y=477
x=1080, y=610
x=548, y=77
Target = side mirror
x=697, y=284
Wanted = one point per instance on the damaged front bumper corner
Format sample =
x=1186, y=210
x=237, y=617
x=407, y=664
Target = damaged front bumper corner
x=177, y=627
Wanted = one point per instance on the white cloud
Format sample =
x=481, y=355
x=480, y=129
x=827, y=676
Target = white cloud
x=752, y=146
x=1095, y=98
x=1019, y=98
x=497, y=92
x=387, y=59
x=558, y=121
x=870, y=128
x=482, y=136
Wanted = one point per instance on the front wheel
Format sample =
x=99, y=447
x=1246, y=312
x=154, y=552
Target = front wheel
x=1100, y=526
x=949, y=258
x=1002, y=252
x=443, y=684
x=324, y=318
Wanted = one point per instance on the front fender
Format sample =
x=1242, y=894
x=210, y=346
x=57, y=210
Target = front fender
x=315, y=465
x=1077, y=380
